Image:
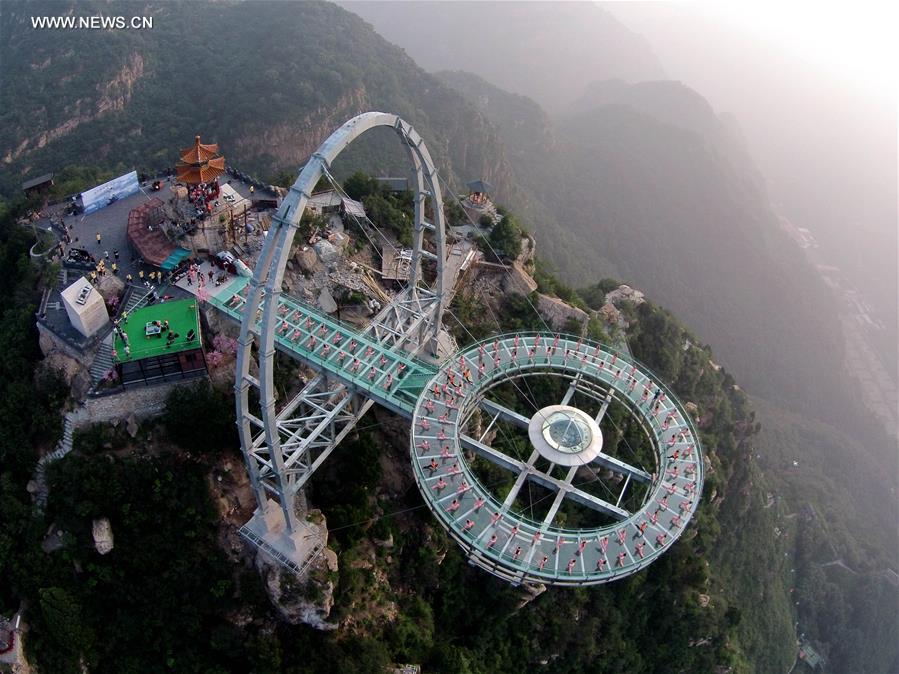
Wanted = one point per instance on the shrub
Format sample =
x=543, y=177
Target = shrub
x=200, y=418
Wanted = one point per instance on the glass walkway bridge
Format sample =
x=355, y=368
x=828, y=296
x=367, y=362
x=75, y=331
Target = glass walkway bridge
x=441, y=401
x=477, y=452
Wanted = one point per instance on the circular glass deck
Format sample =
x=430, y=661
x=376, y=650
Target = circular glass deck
x=507, y=543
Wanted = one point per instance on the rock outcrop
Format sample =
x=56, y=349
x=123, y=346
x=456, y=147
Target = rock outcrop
x=111, y=96
x=111, y=286
x=308, y=599
x=518, y=281
x=75, y=372
x=557, y=313
x=307, y=261
x=624, y=293
x=102, y=533
x=529, y=593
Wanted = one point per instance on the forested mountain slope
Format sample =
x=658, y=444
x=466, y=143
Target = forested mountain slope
x=836, y=508
x=661, y=195
x=653, y=187
x=642, y=182
x=266, y=80
x=178, y=593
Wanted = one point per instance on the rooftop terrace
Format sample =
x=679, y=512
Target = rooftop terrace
x=182, y=317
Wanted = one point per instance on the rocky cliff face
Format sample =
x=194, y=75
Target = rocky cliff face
x=289, y=143
x=307, y=600
x=108, y=96
x=136, y=98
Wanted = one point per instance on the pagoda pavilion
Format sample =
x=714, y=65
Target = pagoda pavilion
x=200, y=163
x=199, y=168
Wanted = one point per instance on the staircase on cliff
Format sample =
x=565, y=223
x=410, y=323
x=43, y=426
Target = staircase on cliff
x=62, y=448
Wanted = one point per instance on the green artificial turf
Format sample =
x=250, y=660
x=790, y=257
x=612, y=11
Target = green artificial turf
x=182, y=317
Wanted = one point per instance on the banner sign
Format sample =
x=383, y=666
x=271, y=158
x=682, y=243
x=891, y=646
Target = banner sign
x=103, y=195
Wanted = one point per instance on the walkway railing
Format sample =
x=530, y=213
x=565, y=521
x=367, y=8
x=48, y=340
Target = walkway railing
x=392, y=377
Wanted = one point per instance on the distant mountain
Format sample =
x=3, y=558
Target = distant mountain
x=268, y=81
x=657, y=191
x=639, y=181
x=545, y=50
x=666, y=101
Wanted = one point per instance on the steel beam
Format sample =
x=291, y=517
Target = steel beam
x=526, y=470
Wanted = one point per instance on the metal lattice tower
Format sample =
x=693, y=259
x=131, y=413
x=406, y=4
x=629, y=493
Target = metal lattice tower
x=446, y=404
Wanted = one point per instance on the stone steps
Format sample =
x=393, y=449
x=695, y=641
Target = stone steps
x=103, y=362
x=137, y=298
x=62, y=448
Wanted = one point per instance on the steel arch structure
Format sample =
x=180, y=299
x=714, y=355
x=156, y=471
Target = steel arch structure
x=279, y=446
x=380, y=364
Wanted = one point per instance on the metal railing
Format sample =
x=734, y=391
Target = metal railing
x=279, y=557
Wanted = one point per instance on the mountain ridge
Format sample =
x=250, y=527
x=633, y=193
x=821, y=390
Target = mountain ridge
x=660, y=205
x=135, y=105
x=637, y=165
x=588, y=43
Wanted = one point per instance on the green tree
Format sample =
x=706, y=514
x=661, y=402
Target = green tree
x=200, y=418
x=62, y=615
x=455, y=214
x=385, y=213
x=659, y=341
x=360, y=185
x=506, y=237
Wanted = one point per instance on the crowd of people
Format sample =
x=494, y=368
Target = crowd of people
x=203, y=196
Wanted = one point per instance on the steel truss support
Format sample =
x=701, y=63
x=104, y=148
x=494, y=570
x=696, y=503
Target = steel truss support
x=315, y=421
x=283, y=448
x=526, y=471
x=604, y=460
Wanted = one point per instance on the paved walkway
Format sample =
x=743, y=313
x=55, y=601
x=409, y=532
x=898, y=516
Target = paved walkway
x=111, y=222
x=392, y=378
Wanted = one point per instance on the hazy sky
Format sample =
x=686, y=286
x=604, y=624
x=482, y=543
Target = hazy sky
x=814, y=88
x=855, y=42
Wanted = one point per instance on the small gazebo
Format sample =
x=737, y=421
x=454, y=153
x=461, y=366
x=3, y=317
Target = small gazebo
x=201, y=163
x=479, y=192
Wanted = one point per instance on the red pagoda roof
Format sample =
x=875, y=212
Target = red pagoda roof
x=200, y=163
x=199, y=152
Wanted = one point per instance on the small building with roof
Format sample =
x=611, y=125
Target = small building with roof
x=810, y=656
x=394, y=185
x=324, y=203
x=160, y=342
x=479, y=192
x=85, y=307
x=39, y=185
x=330, y=202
